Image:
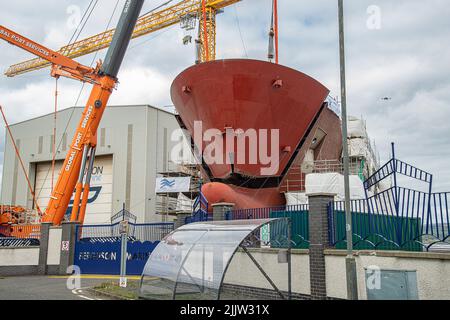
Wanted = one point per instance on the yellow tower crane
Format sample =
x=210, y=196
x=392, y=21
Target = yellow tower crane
x=205, y=10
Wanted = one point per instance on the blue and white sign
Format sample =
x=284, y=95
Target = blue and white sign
x=176, y=185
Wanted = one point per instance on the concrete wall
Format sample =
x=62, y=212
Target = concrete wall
x=243, y=272
x=19, y=256
x=433, y=271
x=133, y=135
x=46, y=259
x=19, y=261
x=54, y=246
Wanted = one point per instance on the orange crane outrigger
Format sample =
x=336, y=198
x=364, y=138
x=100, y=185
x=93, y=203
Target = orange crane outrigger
x=104, y=79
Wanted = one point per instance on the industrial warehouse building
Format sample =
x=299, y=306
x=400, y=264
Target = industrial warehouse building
x=134, y=144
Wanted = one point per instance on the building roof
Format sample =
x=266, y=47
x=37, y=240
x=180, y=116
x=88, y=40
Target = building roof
x=80, y=107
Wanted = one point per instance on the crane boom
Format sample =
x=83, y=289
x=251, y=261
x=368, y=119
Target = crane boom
x=36, y=49
x=65, y=66
x=146, y=24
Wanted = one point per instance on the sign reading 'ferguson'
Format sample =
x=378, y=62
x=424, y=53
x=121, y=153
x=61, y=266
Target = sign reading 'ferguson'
x=176, y=185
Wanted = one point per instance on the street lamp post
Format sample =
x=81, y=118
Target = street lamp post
x=350, y=263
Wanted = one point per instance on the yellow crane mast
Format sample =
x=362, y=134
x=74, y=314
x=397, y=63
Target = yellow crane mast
x=146, y=24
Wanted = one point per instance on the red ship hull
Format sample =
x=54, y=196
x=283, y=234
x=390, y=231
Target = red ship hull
x=244, y=95
x=242, y=198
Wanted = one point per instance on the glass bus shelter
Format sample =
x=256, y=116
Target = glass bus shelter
x=191, y=262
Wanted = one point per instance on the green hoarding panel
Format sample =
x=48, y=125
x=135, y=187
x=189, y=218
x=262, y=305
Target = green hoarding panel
x=299, y=227
x=374, y=232
x=380, y=232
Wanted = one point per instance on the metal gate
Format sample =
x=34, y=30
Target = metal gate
x=97, y=249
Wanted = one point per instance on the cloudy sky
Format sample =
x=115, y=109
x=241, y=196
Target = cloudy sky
x=404, y=56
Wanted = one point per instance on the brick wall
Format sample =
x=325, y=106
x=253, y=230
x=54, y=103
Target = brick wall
x=252, y=293
x=319, y=241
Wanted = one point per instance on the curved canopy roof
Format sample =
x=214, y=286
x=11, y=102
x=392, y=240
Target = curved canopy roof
x=191, y=262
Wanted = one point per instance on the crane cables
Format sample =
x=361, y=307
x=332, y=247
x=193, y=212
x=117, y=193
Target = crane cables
x=157, y=35
x=273, y=34
x=275, y=15
x=240, y=31
x=78, y=30
x=16, y=149
x=73, y=40
x=158, y=7
x=55, y=114
x=81, y=25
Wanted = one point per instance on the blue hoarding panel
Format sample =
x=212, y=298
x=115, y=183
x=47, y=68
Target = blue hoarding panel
x=104, y=258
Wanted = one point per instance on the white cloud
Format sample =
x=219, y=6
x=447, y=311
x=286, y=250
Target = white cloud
x=142, y=86
x=36, y=99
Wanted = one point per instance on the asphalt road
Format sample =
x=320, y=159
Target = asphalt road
x=46, y=288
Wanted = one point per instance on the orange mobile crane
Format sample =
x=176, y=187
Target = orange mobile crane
x=104, y=80
x=63, y=65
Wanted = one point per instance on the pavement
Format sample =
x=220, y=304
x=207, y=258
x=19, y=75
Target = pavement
x=50, y=288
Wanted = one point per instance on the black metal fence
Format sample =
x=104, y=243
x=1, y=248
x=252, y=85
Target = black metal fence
x=264, y=213
x=396, y=219
x=390, y=220
x=137, y=232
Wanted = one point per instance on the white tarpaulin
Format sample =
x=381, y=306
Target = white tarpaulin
x=357, y=147
x=295, y=198
x=173, y=185
x=333, y=183
x=356, y=128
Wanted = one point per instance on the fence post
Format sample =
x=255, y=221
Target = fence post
x=68, y=241
x=43, y=247
x=220, y=210
x=429, y=204
x=319, y=241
